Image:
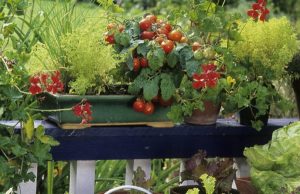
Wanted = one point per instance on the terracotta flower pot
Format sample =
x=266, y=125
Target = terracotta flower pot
x=208, y=116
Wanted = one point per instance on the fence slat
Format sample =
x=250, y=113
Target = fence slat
x=82, y=177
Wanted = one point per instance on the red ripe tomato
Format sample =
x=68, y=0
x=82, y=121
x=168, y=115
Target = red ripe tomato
x=136, y=64
x=144, y=62
x=167, y=45
x=196, y=46
x=168, y=27
x=147, y=35
x=175, y=35
x=163, y=102
x=145, y=24
x=159, y=39
x=149, y=108
x=139, y=105
x=183, y=39
x=152, y=18
x=111, y=26
x=163, y=31
x=110, y=39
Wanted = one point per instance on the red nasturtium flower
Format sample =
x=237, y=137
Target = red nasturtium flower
x=40, y=83
x=83, y=110
x=259, y=10
x=208, y=78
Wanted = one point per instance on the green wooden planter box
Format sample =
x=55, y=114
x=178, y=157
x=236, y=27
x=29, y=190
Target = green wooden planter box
x=106, y=110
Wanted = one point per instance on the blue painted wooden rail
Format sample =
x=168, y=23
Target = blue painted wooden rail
x=225, y=139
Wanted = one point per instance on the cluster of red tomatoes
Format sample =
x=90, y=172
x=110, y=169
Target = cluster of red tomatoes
x=110, y=34
x=140, y=105
x=160, y=31
x=139, y=62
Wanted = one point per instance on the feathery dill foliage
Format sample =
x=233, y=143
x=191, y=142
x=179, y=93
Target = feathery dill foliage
x=271, y=44
x=89, y=59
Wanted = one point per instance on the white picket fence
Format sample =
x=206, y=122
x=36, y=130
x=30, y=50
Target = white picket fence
x=82, y=175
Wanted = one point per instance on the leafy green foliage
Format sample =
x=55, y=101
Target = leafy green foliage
x=156, y=58
x=275, y=166
x=266, y=47
x=217, y=168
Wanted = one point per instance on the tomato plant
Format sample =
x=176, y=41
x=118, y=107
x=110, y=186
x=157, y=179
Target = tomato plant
x=145, y=24
x=149, y=35
x=152, y=18
x=167, y=46
x=110, y=39
x=175, y=35
x=136, y=64
x=196, y=46
x=149, y=108
x=139, y=105
x=144, y=62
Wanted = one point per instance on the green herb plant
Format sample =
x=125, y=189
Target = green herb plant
x=262, y=55
x=221, y=169
x=208, y=183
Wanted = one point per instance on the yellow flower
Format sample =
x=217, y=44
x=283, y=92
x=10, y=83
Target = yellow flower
x=230, y=80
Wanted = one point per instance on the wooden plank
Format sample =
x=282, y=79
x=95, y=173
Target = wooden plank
x=73, y=126
x=82, y=177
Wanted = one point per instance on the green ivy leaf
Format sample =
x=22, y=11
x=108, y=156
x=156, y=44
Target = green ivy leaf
x=151, y=89
x=192, y=67
x=167, y=87
x=173, y=58
x=156, y=58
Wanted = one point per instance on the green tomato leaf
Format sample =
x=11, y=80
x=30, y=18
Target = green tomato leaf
x=173, y=58
x=156, y=58
x=192, y=67
x=167, y=87
x=18, y=150
x=143, y=49
x=122, y=39
x=1, y=111
x=129, y=61
x=176, y=114
x=151, y=89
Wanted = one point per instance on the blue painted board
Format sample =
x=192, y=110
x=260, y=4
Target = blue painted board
x=225, y=139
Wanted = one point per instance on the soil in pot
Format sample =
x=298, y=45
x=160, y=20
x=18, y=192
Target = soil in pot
x=296, y=87
x=208, y=116
x=245, y=186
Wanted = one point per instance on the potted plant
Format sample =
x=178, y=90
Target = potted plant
x=275, y=165
x=208, y=72
x=150, y=71
x=293, y=69
x=263, y=52
x=197, y=166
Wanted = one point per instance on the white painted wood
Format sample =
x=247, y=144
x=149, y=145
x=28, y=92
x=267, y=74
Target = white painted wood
x=145, y=164
x=29, y=187
x=182, y=169
x=132, y=165
x=243, y=169
x=129, y=172
x=82, y=177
